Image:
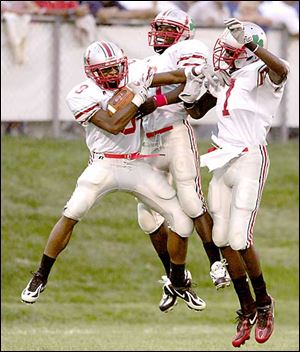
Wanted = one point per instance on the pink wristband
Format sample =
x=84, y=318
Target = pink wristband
x=161, y=100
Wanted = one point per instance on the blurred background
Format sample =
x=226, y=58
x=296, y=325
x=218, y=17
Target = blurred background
x=42, y=46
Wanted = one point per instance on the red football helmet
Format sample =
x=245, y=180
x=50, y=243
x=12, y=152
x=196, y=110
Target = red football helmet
x=106, y=64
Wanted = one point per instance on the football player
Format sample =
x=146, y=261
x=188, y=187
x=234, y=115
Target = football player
x=239, y=159
x=116, y=164
x=168, y=131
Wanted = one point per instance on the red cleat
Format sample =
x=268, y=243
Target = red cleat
x=243, y=330
x=265, y=322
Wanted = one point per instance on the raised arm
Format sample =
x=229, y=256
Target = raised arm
x=278, y=70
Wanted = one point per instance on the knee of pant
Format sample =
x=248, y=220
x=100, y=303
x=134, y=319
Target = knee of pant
x=237, y=242
x=148, y=220
x=182, y=225
x=80, y=202
x=219, y=236
x=191, y=203
x=246, y=194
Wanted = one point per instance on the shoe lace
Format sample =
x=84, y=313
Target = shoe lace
x=219, y=268
x=36, y=281
x=263, y=317
x=224, y=262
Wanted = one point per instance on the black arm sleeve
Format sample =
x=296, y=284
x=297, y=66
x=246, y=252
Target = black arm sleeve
x=201, y=106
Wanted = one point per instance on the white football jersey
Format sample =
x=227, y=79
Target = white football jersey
x=186, y=53
x=86, y=98
x=247, y=107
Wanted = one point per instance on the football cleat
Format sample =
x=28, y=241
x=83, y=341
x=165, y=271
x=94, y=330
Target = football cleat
x=265, y=322
x=219, y=274
x=185, y=293
x=243, y=330
x=168, y=301
x=35, y=286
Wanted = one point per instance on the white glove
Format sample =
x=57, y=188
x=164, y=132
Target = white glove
x=214, y=78
x=221, y=78
x=191, y=90
x=236, y=28
x=140, y=91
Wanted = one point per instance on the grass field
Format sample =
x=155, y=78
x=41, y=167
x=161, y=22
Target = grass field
x=103, y=293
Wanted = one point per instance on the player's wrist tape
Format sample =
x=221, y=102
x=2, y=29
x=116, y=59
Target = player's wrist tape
x=137, y=100
x=160, y=100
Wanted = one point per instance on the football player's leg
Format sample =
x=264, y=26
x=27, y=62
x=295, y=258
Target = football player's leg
x=186, y=172
x=160, y=196
x=246, y=205
x=90, y=185
x=154, y=224
x=219, y=201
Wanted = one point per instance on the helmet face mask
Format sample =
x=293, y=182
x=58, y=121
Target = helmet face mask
x=106, y=65
x=170, y=27
x=229, y=54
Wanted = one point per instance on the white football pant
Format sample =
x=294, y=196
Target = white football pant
x=181, y=161
x=234, y=196
x=134, y=176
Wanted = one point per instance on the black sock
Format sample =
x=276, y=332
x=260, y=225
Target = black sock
x=165, y=259
x=242, y=289
x=46, y=265
x=260, y=290
x=177, y=274
x=212, y=252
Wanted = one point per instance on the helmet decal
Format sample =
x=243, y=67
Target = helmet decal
x=257, y=40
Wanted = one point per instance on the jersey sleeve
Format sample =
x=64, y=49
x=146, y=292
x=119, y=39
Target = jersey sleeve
x=261, y=77
x=274, y=85
x=191, y=53
x=82, y=103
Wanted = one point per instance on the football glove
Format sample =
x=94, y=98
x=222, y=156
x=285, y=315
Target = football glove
x=237, y=31
x=192, y=90
x=140, y=91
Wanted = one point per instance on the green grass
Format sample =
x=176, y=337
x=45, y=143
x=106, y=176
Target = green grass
x=103, y=292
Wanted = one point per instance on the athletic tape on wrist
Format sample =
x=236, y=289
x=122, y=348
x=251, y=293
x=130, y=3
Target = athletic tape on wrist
x=137, y=100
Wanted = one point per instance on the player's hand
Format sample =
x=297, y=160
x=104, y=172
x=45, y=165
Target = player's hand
x=146, y=108
x=192, y=90
x=236, y=28
x=222, y=78
x=214, y=78
x=140, y=91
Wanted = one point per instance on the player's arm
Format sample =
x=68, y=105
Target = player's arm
x=170, y=77
x=200, y=107
x=278, y=70
x=155, y=101
x=117, y=122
